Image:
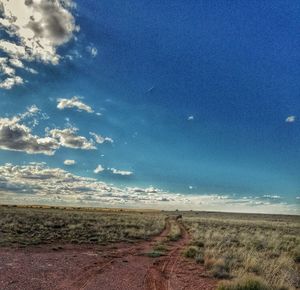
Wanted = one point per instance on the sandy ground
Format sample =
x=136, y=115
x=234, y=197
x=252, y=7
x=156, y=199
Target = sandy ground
x=114, y=267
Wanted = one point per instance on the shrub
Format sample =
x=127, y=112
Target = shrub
x=154, y=254
x=190, y=252
x=296, y=255
x=245, y=284
x=175, y=232
x=160, y=248
x=220, y=269
x=174, y=238
x=199, y=258
x=199, y=244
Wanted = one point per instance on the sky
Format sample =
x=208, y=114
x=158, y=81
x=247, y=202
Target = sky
x=151, y=104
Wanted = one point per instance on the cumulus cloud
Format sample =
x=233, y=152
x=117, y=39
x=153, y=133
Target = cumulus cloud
x=15, y=135
x=290, y=119
x=99, y=169
x=10, y=73
x=120, y=172
x=42, y=183
x=69, y=162
x=10, y=82
x=68, y=138
x=100, y=139
x=35, y=29
x=74, y=102
x=38, y=183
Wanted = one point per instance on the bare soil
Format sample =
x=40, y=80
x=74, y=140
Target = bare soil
x=120, y=266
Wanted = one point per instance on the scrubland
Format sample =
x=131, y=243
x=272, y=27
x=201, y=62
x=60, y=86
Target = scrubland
x=29, y=226
x=249, y=251
x=239, y=251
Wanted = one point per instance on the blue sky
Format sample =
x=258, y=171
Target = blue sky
x=199, y=103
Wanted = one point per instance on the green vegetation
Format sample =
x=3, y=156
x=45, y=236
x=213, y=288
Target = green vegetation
x=253, y=283
x=155, y=254
x=190, y=252
x=248, y=252
x=29, y=226
x=175, y=231
x=236, y=245
x=161, y=247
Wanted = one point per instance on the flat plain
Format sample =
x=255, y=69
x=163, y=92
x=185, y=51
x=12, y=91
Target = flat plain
x=89, y=248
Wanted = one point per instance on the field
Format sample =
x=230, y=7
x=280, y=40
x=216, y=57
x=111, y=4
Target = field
x=86, y=248
x=235, y=246
x=33, y=226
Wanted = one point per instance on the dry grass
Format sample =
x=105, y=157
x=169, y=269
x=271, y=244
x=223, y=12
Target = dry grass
x=175, y=231
x=28, y=226
x=248, y=283
x=230, y=246
x=234, y=246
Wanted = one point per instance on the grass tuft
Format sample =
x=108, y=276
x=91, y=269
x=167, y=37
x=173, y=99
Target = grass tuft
x=248, y=284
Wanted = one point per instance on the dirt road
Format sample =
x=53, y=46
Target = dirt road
x=117, y=267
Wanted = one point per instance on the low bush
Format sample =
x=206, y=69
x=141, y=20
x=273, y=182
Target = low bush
x=155, y=254
x=160, y=247
x=190, y=252
x=247, y=284
x=220, y=269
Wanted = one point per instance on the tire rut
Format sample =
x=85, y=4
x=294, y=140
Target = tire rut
x=91, y=271
x=159, y=275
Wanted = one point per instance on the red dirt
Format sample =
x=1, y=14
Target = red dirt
x=115, y=267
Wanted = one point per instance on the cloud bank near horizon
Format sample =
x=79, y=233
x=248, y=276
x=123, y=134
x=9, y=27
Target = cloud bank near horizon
x=36, y=183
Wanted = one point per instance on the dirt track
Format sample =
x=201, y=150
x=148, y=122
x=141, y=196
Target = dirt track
x=117, y=267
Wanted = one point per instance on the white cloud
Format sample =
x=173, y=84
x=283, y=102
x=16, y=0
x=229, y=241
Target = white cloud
x=10, y=78
x=290, y=119
x=5, y=68
x=100, y=139
x=10, y=82
x=69, y=162
x=74, y=102
x=120, y=172
x=15, y=135
x=16, y=63
x=39, y=184
x=98, y=169
x=68, y=138
x=42, y=183
x=36, y=28
x=270, y=196
x=191, y=118
x=92, y=50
